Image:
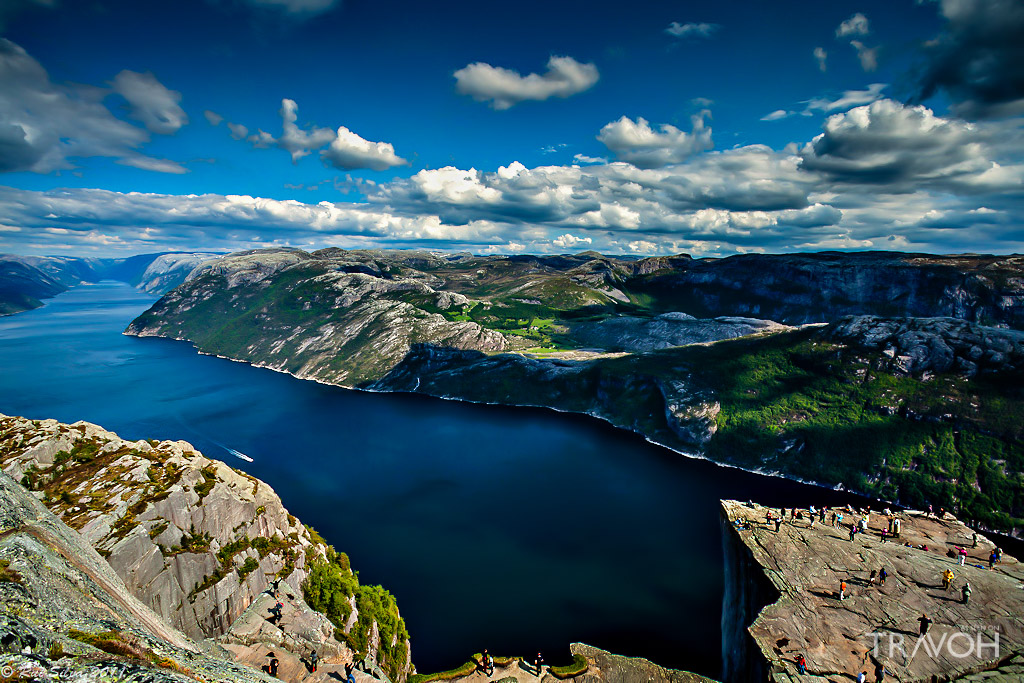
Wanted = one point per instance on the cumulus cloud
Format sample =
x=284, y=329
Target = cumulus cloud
x=238, y=131
x=868, y=56
x=821, y=57
x=348, y=150
x=691, y=30
x=150, y=102
x=639, y=144
x=504, y=88
x=978, y=60
x=906, y=148
x=569, y=241
x=857, y=25
x=44, y=125
x=880, y=176
x=344, y=149
x=213, y=117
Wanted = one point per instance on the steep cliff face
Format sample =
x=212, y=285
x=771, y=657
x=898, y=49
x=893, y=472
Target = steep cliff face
x=195, y=540
x=801, y=612
x=66, y=615
x=167, y=271
x=806, y=288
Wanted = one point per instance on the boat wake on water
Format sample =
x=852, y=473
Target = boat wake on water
x=237, y=454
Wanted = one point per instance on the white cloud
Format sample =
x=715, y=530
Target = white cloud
x=344, y=148
x=569, y=241
x=349, y=151
x=850, y=98
x=297, y=142
x=584, y=159
x=150, y=102
x=153, y=164
x=44, y=125
x=238, y=131
x=777, y=115
x=857, y=25
x=868, y=56
x=213, y=117
x=702, y=30
x=637, y=143
x=504, y=88
x=821, y=56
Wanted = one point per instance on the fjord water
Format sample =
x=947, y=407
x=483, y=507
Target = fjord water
x=507, y=528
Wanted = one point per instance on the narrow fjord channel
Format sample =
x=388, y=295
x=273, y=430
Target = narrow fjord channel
x=507, y=528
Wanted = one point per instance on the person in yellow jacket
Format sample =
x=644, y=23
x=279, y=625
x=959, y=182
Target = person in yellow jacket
x=947, y=579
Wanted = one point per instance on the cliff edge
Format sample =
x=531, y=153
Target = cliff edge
x=798, y=609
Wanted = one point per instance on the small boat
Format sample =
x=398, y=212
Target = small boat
x=239, y=454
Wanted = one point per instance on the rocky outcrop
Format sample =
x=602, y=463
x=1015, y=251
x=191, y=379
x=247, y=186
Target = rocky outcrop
x=668, y=329
x=918, y=345
x=822, y=287
x=805, y=562
x=193, y=538
x=167, y=271
x=66, y=615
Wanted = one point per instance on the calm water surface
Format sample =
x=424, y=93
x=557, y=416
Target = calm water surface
x=506, y=528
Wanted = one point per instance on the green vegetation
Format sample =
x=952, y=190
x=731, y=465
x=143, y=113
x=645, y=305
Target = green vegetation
x=248, y=567
x=810, y=408
x=458, y=672
x=328, y=588
x=125, y=645
x=578, y=667
x=204, y=487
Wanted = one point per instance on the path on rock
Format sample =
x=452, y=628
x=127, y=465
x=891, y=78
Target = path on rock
x=806, y=562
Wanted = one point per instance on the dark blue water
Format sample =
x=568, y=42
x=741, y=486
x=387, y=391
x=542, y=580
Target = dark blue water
x=506, y=528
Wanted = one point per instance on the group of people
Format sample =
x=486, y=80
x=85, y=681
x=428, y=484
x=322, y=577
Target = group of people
x=486, y=664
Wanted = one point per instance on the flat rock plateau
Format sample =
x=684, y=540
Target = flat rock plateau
x=785, y=585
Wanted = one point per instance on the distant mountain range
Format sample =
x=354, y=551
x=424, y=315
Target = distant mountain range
x=898, y=375
x=26, y=280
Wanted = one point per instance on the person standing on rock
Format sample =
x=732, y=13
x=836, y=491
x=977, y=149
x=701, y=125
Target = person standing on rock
x=879, y=672
x=965, y=592
x=778, y=525
x=350, y=677
x=871, y=579
x=538, y=664
x=853, y=532
x=963, y=555
x=801, y=664
x=842, y=590
x=862, y=677
x=314, y=658
x=882, y=576
x=974, y=540
x=487, y=663
x=834, y=520
x=925, y=623
x=947, y=579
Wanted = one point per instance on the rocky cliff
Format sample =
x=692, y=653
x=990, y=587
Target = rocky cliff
x=195, y=540
x=66, y=615
x=873, y=623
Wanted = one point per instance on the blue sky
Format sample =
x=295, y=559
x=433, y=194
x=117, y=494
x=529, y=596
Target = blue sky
x=709, y=128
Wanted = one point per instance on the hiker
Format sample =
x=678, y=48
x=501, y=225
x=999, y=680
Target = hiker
x=821, y=515
x=896, y=524
x=974, y=540
x=271, y=666
x=839, y=522
x=999, y=555
x=947, y=579
x=882, y=575
x=487, y=663
x=862, y=677
x=931, y=511
x=767, y=517
x=276, y=585
x=313, y=659
x=879, y=672
x=853, y=532
x=349, y=676
x=801, y=664
x=965, y=592
x=275, y=613
x=963, y=555
x=778, y=524
x=538, y=663
x=925, y=623
x=842, y=590
x=992, y=559
x=834, y=520
x=871, y=579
